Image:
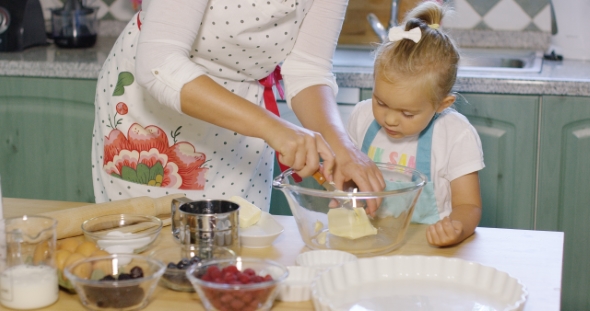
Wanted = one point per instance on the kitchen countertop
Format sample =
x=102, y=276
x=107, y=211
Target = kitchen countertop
x=568, y=77
x=534, y=257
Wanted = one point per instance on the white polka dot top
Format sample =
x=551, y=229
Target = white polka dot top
x=144, y=145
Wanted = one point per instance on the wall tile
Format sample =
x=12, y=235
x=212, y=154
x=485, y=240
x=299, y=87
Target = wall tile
x=482, y=7
x=511, y=15
x=532, y=8
x=501, y=15
x=507, y=15
x=543, y=19
x=463, y=17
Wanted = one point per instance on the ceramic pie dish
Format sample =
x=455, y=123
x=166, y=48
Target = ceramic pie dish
x=416, y=283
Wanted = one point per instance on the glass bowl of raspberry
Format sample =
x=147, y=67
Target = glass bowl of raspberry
x=244, y=284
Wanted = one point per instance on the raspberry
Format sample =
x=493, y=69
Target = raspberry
x=236, y=300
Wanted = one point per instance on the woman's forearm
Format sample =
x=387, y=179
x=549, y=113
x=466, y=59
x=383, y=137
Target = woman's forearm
x=204, y=99
x=317, y=110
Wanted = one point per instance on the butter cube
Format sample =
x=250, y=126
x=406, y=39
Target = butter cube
x=248, y=214
x=350, y=223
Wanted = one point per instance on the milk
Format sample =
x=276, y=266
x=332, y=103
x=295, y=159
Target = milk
x=28, y=287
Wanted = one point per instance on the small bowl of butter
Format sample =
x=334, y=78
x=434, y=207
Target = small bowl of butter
x=334, y=219
x=258, y=229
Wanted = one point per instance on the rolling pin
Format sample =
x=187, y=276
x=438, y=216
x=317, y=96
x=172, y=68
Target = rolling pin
x=69, y=221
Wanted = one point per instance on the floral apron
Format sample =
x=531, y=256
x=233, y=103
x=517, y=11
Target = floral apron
x=143, y=148
x=425, y=210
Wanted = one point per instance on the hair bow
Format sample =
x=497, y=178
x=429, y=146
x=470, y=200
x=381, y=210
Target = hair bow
x=398, y=33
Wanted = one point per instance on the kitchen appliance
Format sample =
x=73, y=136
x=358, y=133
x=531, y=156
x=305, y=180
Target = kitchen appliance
x=572, y=39
x=206, y=223
x=21, y=25
x=74, y=25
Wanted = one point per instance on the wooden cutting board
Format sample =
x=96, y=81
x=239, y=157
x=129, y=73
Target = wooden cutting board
x=356, y=29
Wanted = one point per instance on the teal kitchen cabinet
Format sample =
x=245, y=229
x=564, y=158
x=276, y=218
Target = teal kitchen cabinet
x=46, y=137
x=507, y=126
x=564, y=189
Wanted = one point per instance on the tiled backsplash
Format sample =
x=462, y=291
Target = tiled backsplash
x=503, y=15
x=511, y=15
x=120, y=10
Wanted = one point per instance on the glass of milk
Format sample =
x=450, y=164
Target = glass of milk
x=28, y=275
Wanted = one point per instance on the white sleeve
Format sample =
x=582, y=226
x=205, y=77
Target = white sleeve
x=167, y=34
x=358, y=122
x=310, y=61
x=466, y=154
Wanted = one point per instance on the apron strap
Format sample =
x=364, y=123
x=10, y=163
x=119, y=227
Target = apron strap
x=424, y=153
x=370, y=136
x=139, y=20
x=270, y=103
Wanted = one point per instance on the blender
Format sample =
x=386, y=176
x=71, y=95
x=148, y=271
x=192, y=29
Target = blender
x=74, y=25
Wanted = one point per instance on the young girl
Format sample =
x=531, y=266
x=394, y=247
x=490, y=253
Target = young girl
x=409, y=122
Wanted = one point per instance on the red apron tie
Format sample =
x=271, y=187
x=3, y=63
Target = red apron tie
x=271, y=104
x=138, y=20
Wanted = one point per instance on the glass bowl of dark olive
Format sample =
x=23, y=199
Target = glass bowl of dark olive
x=115, y=282
x=178, y=258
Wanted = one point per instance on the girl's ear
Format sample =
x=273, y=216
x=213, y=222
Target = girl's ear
x=446, y=103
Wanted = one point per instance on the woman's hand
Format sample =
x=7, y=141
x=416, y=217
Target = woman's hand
x=445, y=232
x=353, y=165
x=301, y=149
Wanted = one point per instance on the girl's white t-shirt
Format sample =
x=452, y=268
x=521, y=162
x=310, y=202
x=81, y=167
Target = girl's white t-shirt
x=456, y=149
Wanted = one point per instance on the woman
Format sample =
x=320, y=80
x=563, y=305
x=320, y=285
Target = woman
x=180, y=105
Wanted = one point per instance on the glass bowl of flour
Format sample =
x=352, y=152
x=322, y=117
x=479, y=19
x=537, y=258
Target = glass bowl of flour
x=122, y=233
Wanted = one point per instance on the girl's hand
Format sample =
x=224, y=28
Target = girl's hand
x=301, y=149
x=445, y=232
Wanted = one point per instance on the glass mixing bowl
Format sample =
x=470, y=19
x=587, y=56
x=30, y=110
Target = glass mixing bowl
x=310, y=203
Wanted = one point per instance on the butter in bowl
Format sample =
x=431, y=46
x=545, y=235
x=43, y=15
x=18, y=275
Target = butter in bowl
x=258, y=229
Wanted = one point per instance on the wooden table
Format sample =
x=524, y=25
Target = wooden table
x=534, y=257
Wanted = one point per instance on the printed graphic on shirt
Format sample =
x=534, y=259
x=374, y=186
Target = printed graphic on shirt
x=393, y=157
x=146, y=157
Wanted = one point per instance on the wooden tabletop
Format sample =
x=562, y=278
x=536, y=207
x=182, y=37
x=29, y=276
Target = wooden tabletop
x=534, y=257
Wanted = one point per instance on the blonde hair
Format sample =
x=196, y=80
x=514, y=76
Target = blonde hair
x=431, y=61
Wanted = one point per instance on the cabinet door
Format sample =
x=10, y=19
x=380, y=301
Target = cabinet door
x=45, y=138
x=507, y=126
x=564, y=189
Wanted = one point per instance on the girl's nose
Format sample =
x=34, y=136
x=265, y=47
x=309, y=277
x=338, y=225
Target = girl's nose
x=391, y=119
